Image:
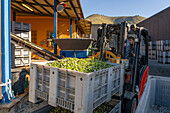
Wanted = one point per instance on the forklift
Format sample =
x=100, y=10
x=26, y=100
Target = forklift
x=113, y=43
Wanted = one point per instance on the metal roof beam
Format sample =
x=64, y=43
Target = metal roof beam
x=32, y=6
x=52, y=7
x=64, y=10
x=14, y=1
x=72, y=5
x=18, y=7
x=42, y=7
x=30, y=13
x=23, y=7
x=66, y=13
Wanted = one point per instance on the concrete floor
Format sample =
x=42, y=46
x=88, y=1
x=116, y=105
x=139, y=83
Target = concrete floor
x=159, y=69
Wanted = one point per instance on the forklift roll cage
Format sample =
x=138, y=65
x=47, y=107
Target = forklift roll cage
x=139, y=70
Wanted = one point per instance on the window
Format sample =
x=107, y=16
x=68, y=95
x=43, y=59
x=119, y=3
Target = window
x=34, y=37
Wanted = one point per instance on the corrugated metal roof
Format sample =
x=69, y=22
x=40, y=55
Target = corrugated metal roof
x=46, y=8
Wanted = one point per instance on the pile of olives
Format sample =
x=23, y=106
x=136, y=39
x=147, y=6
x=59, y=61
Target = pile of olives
x=59, y=110
x=104, y=108
x=81, y=65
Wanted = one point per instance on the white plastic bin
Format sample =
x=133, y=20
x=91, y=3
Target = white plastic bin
x=156, y=96
x=76, y=91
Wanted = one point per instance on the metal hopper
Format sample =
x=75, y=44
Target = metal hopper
x=73, y=44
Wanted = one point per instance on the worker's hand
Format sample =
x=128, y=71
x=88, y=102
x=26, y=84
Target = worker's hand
x=134, y=54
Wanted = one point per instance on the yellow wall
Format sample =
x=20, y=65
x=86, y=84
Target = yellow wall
x=44, y=24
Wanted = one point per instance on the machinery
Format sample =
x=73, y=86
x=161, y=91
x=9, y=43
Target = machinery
x=113, y=43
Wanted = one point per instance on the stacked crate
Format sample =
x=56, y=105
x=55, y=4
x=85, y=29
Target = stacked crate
x=76, y=91
x=163, y=51
x=152, y=50
x=166, y=53
x=21, y=57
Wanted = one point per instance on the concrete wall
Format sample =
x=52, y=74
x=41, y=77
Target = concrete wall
x=158, y=25
x=94, y=30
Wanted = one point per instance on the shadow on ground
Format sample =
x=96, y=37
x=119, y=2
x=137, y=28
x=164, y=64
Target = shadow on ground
x=159, y=69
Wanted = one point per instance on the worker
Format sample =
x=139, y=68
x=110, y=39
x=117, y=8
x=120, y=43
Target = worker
x=132, y=50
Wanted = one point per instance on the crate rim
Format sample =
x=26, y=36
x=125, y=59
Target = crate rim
x=114, y=65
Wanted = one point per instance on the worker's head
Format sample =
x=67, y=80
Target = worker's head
x=131, y=40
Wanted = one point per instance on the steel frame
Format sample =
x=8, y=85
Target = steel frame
x=5, y=48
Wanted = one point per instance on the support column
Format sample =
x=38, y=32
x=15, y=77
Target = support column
x=55, y=25
x=0, y=55
x=5, y=46
x=71, y=27
x=76, y=28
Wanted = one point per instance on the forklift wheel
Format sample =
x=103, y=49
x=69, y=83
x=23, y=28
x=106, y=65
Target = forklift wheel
x=130, y=106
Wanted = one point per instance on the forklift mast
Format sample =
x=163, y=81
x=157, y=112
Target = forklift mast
x=121, y=30
x=123, y=36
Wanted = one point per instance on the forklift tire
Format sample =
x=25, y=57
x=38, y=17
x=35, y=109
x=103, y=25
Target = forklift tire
x=130, y=106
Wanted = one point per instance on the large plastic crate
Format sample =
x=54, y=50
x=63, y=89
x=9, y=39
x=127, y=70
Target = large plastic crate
x=116, y=107
x=156, y=97
x=39, y=82
x=22, y=30
x=76, y=91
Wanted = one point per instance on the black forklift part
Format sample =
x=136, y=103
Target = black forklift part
x=141, y=32
x=102, y=41
x=123, y=37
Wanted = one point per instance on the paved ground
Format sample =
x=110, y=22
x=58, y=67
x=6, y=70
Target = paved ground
x=159, y=69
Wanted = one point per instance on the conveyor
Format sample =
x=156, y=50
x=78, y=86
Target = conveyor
x=33, y=48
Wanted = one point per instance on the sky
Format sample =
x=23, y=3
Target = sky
x=145, y=8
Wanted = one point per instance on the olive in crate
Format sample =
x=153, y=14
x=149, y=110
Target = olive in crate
x=81, y=65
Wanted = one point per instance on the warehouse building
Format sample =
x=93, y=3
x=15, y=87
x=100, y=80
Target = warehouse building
x=40, y=14
x=158, y=25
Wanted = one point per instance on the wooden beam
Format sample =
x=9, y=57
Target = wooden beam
x=43, y=7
